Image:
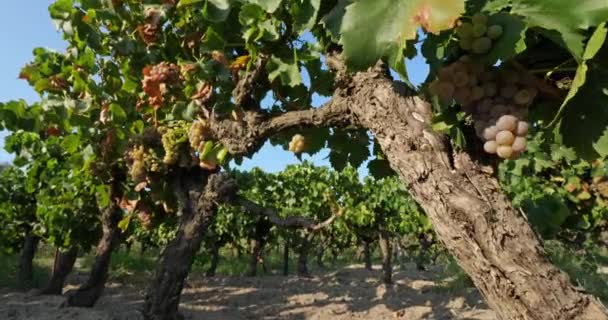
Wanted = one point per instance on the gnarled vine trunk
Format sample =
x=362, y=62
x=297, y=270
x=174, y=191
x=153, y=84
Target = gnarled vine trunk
x=262, y=228
x=303, y=249
x=367, y=255
x=215, y=258
x=286, y=258
x=26, y=259
x=62, y=266
x=320, y=254
x=491, y=240
x=198, y=194
x=88, y=293
x=387, y=255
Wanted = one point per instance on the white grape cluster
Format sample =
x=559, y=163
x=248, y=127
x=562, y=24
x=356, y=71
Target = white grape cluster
x=477, y=36
x=198, y=135
x=496, y=98
x=297, y=144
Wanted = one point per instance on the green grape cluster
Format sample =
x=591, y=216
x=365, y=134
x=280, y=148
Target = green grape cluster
x=141, y=163
x=477, y=35
x=488, y=95
x=198, y=136
x=173, y=139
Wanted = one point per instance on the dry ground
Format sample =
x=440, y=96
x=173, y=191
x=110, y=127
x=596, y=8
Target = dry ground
x=350, y=293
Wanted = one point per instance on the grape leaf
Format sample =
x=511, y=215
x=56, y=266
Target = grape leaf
x=380, y=168
x=567, y=17
x=585, y=116
x=305, y=14
x=288, y=72
x=269, y=5
x=371, y=29
x=333, y=19
x=593, y=46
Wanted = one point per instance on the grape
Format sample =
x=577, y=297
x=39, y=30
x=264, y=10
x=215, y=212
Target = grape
x=519, y=144
x=507, y=122
x=490, y=133
x=486, y=76
x=490, y=146
x=481, y=45
x=458, y=67
x=445, y=90
x=486, y=105
x=522, y=97
x=509, y=76
x=490, y=89
x=480, y=126
x=504, y=152
x=522, y=128
x=505, y=138
x=445, y=74
x=465, y=30
x=465, y=59
x=508, y=91
x=460, y=78
x=473, y=81
x=466, y=44
x=479, y=18
x=497, y=110
x=463, y=95
x=494, y=31
x=479, y=30
x=477, y=68
x=477, y=93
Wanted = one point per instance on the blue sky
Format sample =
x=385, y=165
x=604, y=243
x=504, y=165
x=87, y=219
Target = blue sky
x=25, y=24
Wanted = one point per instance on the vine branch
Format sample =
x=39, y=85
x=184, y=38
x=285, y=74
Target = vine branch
x=295, y=222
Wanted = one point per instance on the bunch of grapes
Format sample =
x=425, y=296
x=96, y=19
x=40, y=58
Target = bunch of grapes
x=297, y=143
x=141, y=163
x=198, y=135
x=489, y=95
x=477, y=36
x=157, y=81
x=138, y=170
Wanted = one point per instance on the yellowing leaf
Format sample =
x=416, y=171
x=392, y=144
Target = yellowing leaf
x=434, y=16
x=370, y=30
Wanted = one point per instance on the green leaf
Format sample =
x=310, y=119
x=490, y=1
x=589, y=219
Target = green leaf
x=288, y=72
x=566, y=17
x=216, y=10
x=71, y=143
x=250, y=14
x=123, y=224
x=370, y=29
x=221, y=155
x=103, y=195
x=511, y=42
x=61, y=9
x=206, y=149
x=333, y=19
x=117, y=113
x=183, y=3
x=380, y=168
x=305, y=14
x=269, y=5
x=593, y=46
x=601, y=146
x=547, y=214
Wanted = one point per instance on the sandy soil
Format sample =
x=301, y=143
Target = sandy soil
x=351, y=293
